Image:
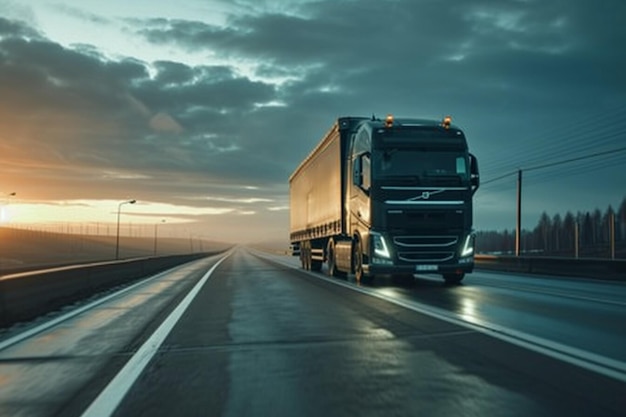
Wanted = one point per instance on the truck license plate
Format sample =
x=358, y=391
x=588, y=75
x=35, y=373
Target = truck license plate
x=422, y=268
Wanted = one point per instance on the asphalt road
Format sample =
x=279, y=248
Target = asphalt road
x=252, y=336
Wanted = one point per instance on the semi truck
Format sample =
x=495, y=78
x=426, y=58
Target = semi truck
x=389, y=197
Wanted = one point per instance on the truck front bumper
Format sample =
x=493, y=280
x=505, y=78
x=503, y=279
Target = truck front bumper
x=383, y=269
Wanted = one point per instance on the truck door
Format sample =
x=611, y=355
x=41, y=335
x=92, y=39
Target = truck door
x=361, y=183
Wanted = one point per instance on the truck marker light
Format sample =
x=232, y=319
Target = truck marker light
x=447, y=121
x=389, y=121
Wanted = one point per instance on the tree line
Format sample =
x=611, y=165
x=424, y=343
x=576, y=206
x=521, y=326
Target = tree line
x=558, y=235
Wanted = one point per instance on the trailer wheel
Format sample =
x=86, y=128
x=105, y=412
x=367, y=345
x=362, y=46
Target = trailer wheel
x=305, y=255
x=453, y=279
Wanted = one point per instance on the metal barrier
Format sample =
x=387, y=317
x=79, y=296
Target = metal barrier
x=588, y=268
x=26, y=295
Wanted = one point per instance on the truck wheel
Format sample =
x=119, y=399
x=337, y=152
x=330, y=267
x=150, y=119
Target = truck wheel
x=357, y=259
x=332, y=261
x=453, y=279
x=302, y=259
x=305, y=255
x=309, y=261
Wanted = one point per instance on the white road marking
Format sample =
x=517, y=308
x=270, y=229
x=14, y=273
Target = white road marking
x=537, y=289
x=109, y=399
x=71, y=314
x=593, y=362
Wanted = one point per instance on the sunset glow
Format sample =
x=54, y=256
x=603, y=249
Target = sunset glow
x=202, y=110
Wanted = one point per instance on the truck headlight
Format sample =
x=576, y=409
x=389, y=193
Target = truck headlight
x=380, y=246
x=468, y=246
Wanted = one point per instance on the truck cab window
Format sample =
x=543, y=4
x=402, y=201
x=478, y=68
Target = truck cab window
x=461, y=166
x=433, y=166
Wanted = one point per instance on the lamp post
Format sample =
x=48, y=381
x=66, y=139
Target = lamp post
x=117, y=242
x=155, y=236
x=3, y=215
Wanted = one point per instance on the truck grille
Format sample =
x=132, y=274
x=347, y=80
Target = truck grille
x=416, y=249
x=433, y=220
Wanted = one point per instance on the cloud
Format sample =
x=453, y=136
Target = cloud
x=267, y=81
x=162, y=122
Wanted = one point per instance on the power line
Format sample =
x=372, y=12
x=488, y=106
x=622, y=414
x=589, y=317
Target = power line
x=610, y=152
x=580, y=158
x=604, y=164
x=498, y=178
x=561, y=148
x=565, y=139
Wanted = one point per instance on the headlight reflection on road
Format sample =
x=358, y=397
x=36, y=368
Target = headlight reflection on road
x=469, y=312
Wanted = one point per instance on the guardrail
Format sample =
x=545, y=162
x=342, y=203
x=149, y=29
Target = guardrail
x=26, y=295
x=587, y=268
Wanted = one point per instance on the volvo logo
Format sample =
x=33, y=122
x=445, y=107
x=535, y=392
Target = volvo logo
x=426, y=195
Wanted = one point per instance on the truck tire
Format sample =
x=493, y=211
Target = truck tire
x=453, y=279
x=331, y=260
x=305, y=255
x=357, y=259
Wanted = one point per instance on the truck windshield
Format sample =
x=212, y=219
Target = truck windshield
x=421, y=166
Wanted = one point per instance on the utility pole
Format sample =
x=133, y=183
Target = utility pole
x=576, y=240
x=612, y=233
x=518, y=228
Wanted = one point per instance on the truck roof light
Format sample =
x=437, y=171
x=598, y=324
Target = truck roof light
x=446, y=122
x=389, y=120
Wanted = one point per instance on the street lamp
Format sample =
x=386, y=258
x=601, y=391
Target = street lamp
x=155, y=236
x=3, y=215
x=117, y=242
x=9, y=195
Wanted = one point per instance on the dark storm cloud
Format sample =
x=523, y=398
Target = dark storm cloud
x=503, y=69
x=69, y=108
x=177, y=86
x=11, y=28
x=477, y=48
x=506, y=69
x=51, y=76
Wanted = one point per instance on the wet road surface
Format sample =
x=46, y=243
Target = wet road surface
x=260, y=338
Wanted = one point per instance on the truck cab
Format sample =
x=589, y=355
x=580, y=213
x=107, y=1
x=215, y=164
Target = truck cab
x=386, y=197
x=410, y=199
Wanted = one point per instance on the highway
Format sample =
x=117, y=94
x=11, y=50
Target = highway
x=249, y=334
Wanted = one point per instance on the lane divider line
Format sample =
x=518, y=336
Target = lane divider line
x=75, y=312
x=587, y=360
x=110, y=398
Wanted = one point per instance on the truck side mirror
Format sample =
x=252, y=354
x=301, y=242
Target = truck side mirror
x=474, y=175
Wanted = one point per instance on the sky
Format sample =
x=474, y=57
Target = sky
x=200, y=110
